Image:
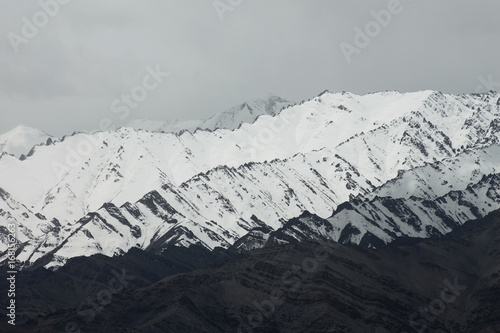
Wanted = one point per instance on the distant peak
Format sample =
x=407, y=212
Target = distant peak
x=271, y=97
x=23, y=129
x=21, y=139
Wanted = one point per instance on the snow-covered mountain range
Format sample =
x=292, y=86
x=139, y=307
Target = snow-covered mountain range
x=359, y=169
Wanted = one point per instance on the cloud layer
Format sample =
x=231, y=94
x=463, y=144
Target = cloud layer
x=87, y=54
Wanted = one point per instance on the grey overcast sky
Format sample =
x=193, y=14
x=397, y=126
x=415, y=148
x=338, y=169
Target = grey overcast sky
x=82, y=57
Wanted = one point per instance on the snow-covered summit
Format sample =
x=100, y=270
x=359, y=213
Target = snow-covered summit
x=21, y=139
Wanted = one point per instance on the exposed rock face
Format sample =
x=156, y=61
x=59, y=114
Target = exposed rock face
x=301, y=287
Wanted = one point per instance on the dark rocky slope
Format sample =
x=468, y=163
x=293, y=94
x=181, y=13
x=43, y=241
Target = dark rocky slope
x=450, y=284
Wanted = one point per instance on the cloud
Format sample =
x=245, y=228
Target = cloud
x=87, y=55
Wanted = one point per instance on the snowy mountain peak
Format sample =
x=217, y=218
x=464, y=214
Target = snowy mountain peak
x=21, y=139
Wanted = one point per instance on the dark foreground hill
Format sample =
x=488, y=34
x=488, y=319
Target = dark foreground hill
x=451, y=284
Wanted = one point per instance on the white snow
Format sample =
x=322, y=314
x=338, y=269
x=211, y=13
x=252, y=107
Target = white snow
x=21, y=139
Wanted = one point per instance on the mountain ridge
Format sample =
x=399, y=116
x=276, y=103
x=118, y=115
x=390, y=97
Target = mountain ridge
x=247, y=112
x=304, y=158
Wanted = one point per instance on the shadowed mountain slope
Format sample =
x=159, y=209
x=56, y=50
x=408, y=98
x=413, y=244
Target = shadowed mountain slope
x=450, y=284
